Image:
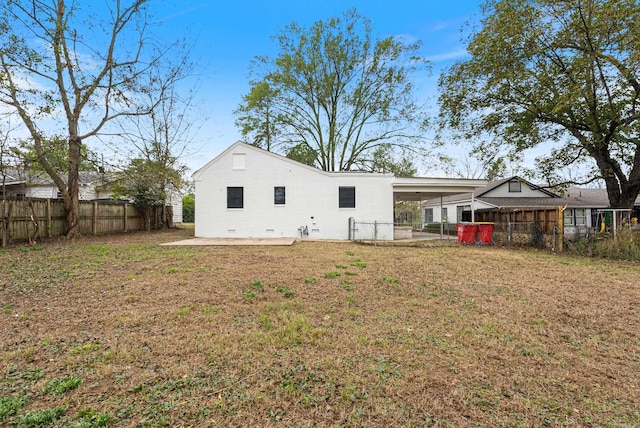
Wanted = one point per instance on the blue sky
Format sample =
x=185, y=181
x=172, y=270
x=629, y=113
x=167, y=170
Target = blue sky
x=226, y=36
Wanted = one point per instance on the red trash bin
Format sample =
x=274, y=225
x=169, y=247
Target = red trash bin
x=466, y=233
x=484, y=233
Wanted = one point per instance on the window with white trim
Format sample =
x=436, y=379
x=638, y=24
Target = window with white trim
x=428, y=215
x=575, y=217
x=235, y=197
x=347, y=197
x=279, y=195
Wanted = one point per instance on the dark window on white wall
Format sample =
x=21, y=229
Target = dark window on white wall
x=235, y=197
x=347, y=197
x=428, y=215
x=515, y=186
x=279, y=195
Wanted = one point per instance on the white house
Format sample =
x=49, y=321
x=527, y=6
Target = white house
x=582, y=207
x=249, y=192
x=513, y=190
x=92, y=186
x=21, y=184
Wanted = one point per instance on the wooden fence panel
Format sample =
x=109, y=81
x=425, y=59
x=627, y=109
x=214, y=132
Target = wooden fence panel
x=525, y=226
x=57, y=223
x=85, y=218
x=41, y=218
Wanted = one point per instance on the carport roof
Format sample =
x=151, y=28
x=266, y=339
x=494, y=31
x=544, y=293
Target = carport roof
x=421, y=188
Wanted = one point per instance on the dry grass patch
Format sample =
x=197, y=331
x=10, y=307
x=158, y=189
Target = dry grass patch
x=119, y=331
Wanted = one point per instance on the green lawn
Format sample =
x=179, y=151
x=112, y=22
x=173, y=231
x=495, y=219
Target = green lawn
x=119, y=331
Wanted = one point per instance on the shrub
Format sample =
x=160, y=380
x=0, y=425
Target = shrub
x=625, y=245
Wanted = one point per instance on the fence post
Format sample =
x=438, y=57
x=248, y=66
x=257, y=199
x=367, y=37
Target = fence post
x=47, y=220
x=375, y=233
x=4, y=219
x=560, y=223
x=94, y=219
x=125, y=217
x=351, y=237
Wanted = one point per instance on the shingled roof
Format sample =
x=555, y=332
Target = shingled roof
x=576, y=197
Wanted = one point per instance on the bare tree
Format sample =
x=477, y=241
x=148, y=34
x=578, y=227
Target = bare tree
x=162, y=138
x=7, y=163
x=61, y=64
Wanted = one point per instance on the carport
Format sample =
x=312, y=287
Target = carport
x=423, y=188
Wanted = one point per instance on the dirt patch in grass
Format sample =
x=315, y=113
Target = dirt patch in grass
x=119, y=331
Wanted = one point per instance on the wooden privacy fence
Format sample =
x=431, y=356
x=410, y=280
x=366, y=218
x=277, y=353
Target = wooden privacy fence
x=31, y=219
x=541, y=227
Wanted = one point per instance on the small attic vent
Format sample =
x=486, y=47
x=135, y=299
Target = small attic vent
x=515, y=186
x=239, y=161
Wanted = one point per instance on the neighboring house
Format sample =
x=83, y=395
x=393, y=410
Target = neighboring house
x=247, y=192
x=582, y=207
x=174, y=199
x=17, y=183
x=598, y=201
x=93, y=186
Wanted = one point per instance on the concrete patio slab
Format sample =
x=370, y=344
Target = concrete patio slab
x=233, y=242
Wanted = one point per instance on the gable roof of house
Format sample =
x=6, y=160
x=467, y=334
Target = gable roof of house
x=250, y=147
x=497, y=183
x=534, y=202
x=404, y=188
x=574, y=196
x=497, y=201
x=592, y=196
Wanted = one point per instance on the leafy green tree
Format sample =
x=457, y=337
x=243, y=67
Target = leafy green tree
x=302, y=153
x=56, y=150
x=188, y=208
x=565, y=73
x=79, y=69
x=146, y=183
x=256, y=119
x=335, y=90
x=384, y=160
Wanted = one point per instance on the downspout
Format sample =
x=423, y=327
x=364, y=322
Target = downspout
x=473, y=207
x=441, y=221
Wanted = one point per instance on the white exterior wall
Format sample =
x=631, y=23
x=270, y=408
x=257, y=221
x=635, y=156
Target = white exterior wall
x=175, y=200
x=572, y=232
x=452, y=209
x=44, y=192
x=311, y=198
x=502, y=191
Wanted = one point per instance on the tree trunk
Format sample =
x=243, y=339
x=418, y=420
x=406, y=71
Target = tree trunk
x=5, y=218
x=627, y=197
x=622, y=192
x=33, y=237
x=168, y=217
x=72, y=199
